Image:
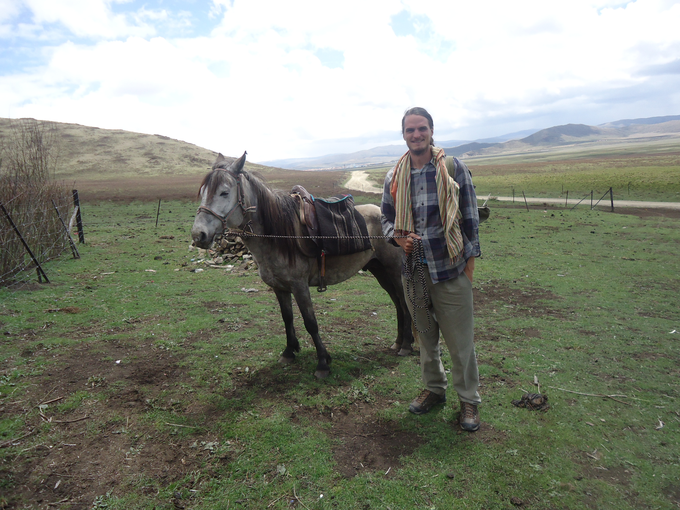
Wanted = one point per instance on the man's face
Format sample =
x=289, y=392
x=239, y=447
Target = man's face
x=417, y=134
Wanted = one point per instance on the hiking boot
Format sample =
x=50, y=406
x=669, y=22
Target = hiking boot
x=424, y=402
x=469, y=417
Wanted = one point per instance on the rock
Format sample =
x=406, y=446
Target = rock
x=231, y=249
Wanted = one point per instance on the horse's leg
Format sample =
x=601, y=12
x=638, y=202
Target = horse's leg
x=404, y=342
x=304, y=302
x=292, y=344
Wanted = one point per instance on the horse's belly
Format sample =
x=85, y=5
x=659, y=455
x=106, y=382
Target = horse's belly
x=340, y=268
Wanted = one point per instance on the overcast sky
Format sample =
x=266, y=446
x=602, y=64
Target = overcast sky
x=302, y=78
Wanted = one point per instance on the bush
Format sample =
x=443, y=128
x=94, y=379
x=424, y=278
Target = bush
x=28, y=161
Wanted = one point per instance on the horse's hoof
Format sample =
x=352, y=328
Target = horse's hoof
x=405, y=352
x=322, y=374
x=286, y=361
x=395, y=346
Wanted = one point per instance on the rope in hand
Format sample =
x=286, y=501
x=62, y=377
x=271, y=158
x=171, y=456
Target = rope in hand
x=414, y=272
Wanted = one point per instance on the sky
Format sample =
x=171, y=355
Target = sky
x=305, y=78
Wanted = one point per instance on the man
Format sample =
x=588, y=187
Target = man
x=424, y=209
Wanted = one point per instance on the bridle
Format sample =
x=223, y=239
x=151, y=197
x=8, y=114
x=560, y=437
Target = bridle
x=240, y=203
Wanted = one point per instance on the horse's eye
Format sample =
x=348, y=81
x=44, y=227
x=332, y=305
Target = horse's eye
x=224, y=194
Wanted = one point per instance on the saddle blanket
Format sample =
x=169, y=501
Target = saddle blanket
x=338, y=219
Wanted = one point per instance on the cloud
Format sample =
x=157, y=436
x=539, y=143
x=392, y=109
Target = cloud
x=672, y=67
x=305, y=78
x=87, y=18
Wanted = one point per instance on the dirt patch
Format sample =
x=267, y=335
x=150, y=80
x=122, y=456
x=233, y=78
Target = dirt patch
x=93, y=436
x=362, y=440
x=648, y=213
x=494, y=294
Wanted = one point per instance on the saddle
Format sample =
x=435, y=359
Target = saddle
x=333, y=225
x=307, y=210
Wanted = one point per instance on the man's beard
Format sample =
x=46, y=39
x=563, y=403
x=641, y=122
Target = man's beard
x=419, y=152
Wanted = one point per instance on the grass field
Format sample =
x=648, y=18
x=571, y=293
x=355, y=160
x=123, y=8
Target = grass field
x=648, y=171
x=135, y=381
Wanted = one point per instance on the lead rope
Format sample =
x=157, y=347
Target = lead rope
x=414, y=273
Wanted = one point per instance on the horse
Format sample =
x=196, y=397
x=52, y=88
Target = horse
x=234, y=198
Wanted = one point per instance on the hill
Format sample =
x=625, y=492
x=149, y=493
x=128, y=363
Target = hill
x=581, y=136
x=94, y=153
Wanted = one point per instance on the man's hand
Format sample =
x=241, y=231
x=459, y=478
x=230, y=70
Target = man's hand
x=470, y=268
x=407, y=242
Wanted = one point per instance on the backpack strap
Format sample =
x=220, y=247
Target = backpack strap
x=451, y=168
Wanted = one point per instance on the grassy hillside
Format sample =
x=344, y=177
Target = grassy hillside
x=116, y=164
x=101, y=154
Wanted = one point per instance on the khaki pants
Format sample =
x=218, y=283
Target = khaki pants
x=450, y=309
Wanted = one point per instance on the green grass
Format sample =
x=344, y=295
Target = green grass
x=585, y=301
x=635, y=172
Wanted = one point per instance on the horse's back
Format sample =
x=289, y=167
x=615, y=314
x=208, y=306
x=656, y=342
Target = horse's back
x=371, y=214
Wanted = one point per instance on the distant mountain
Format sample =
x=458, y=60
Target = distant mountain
x=367, y=157
x=631, y=122
x=526, y=140
x=570, y=134
x=505, y=138
x=383, y=155
x=465, y=148
x=89, y=151
x=556, y=135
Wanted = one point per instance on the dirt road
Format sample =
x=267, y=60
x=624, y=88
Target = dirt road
x=359, y=182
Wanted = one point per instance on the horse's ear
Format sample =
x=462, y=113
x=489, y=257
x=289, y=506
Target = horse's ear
x=237, y=166
x=219, y=159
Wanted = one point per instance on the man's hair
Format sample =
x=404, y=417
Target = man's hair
x=417, y=110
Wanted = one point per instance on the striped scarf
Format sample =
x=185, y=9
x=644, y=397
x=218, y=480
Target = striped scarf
x=448, y=192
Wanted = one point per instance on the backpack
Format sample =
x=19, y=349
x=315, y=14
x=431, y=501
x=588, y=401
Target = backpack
x=484, y=211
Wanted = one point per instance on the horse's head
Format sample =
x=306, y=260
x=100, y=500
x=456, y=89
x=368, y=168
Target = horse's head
x=222, y=201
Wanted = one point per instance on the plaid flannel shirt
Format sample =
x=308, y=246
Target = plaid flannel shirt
x=427, y=221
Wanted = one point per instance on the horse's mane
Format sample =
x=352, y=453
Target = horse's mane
x=276, y=209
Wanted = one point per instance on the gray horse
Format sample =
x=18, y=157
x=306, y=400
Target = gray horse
x=232, y=197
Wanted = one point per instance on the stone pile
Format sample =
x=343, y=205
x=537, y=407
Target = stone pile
x=232, y=250
x=228, y=253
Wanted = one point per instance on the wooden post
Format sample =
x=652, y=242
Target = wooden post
x=611, y=195
x=39, y=270
x=158, y=212
x=591, y=199
x=566, y=200
x=525, y=200
x=79, y=220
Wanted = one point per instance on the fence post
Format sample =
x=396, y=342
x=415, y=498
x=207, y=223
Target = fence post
x=566, y=200
x=74, y=250
x=525, y=200
x=79, y=220
x=158, y=212
x=39, y=270
x=591, y=200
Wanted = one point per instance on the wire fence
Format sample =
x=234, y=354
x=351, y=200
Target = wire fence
x=589, y=200
x=34, y=207
x=35, y=227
